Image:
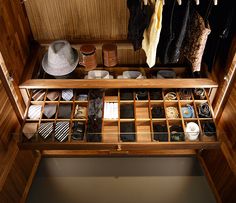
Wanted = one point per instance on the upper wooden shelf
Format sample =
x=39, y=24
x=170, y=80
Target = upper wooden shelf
x=35, y=78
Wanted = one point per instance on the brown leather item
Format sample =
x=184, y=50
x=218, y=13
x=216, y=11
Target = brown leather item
x=88, y=57
x=109, y=55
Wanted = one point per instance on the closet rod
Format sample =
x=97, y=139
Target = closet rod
x=196, y=1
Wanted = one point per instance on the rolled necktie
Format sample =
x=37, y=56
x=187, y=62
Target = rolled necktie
x=67, y=94
x=204, y=110
x=127, y=111
x=80, y=112
x=176, y=133
x=34, y=111
x=62, y=131
x=185, y=94
x=199, y=93
x=52, y=95
x=209, y=128
x=158, y=112
x=172, y=112
x=142, y=94
x=127, y=131
x=156, y=94
x=45, y=129
x=38, y=95
x=126, y=94
x=82, y=97
x=50, y=110
x=188, y=111
x=78, y=131
x=160, y=132
x=30, y=129
x=170, y=96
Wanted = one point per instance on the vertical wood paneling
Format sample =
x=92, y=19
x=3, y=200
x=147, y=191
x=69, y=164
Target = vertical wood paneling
x=78, y=19
x=16, y=166
x=15, y=37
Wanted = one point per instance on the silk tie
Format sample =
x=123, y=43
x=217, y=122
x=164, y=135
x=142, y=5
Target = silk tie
x=50, y=110
x=38, y=95
x=67, y=94
x=62, y=131
x=35, y=111
x=45, y=129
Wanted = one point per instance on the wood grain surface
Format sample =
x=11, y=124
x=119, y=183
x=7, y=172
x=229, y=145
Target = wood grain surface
x=78, y=19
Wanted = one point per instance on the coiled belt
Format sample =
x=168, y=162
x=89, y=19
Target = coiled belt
x=185, y=94
x=204, y=110
x=172, y=112
x=200, y=93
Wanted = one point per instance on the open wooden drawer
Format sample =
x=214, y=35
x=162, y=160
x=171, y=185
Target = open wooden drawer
x=113, y=130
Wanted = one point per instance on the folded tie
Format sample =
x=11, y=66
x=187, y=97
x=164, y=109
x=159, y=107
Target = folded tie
x=50, y=110
x=67, y=94
x=30, y=129
x=35, y=111
x=38, y=95
x=45, y=129
x=52, y=95
x=62, y=131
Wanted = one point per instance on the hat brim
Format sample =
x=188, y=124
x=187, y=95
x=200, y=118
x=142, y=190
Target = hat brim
x=54, y=71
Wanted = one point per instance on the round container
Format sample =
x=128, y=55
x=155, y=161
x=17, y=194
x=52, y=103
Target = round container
x=109, y=52
x=88, y=57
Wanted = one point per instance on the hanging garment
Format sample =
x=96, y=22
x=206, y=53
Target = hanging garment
x=152, y=34
x=195, y=40
x=173, y=30
x=140, y=15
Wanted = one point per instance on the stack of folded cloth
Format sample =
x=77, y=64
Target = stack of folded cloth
x=176, y=133
x=94, y=128
x=111, y=110
x=160, y=132
x=209, y=128
x=127, y=111
x=156, y=94
x=158, y=112
x=127, y=131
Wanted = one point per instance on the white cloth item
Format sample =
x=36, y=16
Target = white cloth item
x=35, y=111
x=110, y=110
x=152, y=34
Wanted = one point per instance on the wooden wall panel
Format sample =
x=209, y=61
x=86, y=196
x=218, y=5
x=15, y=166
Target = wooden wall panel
x=8, y=119
x=78, y=19
x=223, y=177
x=15, y=37
x=17, y=167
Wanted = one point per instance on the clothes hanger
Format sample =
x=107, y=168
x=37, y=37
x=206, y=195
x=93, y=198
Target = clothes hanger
x=215, y=2
x=197, y=2
x=179, y=2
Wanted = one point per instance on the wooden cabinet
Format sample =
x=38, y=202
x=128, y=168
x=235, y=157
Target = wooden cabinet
x=111, y=129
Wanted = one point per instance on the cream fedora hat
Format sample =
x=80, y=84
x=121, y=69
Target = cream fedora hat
x=60, y=59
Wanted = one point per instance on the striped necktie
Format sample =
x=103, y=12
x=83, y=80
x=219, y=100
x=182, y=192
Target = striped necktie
x=45, y=129
x=67, y=94
x=62, y=131
x=38, y=95
x=34, y=111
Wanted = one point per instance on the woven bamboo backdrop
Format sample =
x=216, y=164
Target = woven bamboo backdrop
x=78, y=19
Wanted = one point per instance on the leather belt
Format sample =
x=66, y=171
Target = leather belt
x=204, y=111
x=185, y=94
